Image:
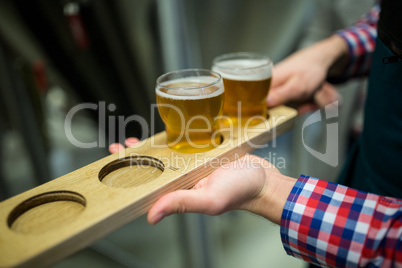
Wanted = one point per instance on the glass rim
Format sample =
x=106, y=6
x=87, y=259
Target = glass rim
x=228, y=56
x=217, y=76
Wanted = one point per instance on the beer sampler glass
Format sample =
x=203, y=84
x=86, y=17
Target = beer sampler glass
x=190, y=103
x=247, y=79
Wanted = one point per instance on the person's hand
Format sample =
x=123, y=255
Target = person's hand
x=250, y=183
x=300, y=78
x=117, y=147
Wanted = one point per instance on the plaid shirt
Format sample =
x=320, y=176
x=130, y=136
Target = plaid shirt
x=336, y=226
x=361, y=43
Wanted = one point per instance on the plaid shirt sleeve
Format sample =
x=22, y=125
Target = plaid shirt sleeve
x=332, y=225
x=360, y=39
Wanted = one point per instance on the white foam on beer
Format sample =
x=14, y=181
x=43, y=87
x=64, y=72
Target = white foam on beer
x=244, y=69
x=188, y=94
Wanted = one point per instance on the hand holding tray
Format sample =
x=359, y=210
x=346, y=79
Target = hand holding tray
x=53, y=220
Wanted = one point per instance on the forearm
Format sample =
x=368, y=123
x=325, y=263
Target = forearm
x=360, y=40
x=331, y=53
x=272, y=198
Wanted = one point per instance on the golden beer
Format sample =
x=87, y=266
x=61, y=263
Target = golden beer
x=247, y=79
x=190, y=104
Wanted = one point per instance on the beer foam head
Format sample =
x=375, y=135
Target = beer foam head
x=191, y=88
x=244, y=69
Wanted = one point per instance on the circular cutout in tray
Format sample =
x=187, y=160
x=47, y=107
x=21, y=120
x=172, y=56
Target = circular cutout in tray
x=46, y=211
x=131, y=171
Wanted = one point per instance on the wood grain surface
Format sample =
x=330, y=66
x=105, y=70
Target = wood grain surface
x=47, y=223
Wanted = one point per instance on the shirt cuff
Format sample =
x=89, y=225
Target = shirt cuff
x=361, y=45
x=320, y=222
x=360, y=39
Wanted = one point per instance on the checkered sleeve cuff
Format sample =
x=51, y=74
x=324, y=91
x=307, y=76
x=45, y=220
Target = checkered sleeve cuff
x=332, y=225
x=360, y=39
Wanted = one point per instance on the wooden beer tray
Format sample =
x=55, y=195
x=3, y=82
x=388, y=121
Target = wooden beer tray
x=47, y=223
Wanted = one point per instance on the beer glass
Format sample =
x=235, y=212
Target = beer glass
x=190, y=103
x=247, y=79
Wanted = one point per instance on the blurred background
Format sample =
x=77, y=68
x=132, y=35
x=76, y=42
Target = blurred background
x=55, y=55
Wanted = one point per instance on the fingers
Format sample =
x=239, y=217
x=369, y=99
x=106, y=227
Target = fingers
x=280, y=75
x=279, y=78
x=131, y=141
x=115, y=147
x=283, y=93
x=326, y=95
x=181, y=201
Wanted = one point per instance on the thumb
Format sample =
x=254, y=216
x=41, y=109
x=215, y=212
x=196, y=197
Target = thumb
x=181, y=201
